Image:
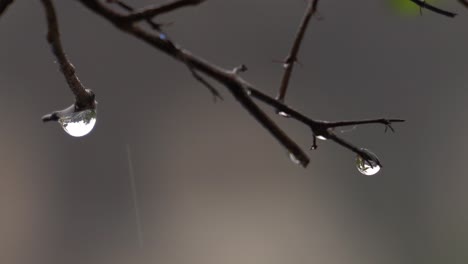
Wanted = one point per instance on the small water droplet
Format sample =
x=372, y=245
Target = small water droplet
x=286, y=65
x=162, y=36
x=283, y=114
x=367, y=167
x=321, y=137
x=294, y=160
x=79, y=124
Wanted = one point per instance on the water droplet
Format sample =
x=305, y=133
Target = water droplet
x=321, y=137
x=285, y=65
x=368, y=167
x=162, y=36
x=79, y=124
x=283, y=114
x=294, y=160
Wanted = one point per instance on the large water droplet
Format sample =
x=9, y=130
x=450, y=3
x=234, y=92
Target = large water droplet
x=368, y=167
x=294, y=160
x=79, y=124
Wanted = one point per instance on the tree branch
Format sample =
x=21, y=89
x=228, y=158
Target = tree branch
x=4, y=4
x=423, y=4
x=239, y=88
x=223, y=76
x=152, y=11
x=291, y=59
x=127, y=7
x=84, y=97
x=464, y=3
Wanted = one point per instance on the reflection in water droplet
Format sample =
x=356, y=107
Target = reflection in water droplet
x=283, y=114
x=294, y=159
x=368, y=167
x=321, y=137
x=79, y=124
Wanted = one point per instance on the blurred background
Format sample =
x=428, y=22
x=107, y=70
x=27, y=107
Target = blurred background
x=213, y=185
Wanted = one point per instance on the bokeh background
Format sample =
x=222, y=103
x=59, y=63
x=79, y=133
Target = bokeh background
x=213, y=186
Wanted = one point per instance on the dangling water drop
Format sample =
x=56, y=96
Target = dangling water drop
x=368, y=167
x=78, y=124
x=283, y=114
x=321, y=137
x=294, y=160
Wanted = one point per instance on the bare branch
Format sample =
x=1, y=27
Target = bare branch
x=386, y=122
x=291, y=59
x=239, y=88
x=84, y=97
x=151, y=23
x=423, y=4
x=152, y=11
x=198, y=77
x=320, y=128
x=4, y=4
x=354, y=149
x=464, y=3
x=230, y=80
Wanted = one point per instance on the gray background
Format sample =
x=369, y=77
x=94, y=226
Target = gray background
x=214, y=186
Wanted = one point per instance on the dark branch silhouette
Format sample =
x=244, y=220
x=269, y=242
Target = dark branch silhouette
x=154, y=25
x=84, y=98
x=291, y=59
x=244, y=92
x=4, y=4
x=464, y=3
x=152, y=11
x=424, y=4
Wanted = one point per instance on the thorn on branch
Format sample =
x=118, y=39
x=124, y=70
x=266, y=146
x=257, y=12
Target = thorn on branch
x=239, y=69
x=314, y=143
x=50, y=117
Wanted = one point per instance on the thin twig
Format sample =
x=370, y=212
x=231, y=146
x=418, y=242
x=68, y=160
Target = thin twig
x=386, y=122
x=152, y=11
x=291, y=59
x=4, y=4
x=464, y=3
x=424, y=4
x=84, y=97
x=211, y=88
x=359, y=151
x=125, y=6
